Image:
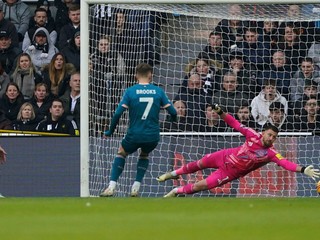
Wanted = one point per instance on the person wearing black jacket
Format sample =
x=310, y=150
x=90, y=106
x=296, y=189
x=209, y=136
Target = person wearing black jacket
x=26, y=119
x=41, y=100
x=6, y=25
x=11, y=101
x=72, y=51
x=8, y=52
x=57, y=121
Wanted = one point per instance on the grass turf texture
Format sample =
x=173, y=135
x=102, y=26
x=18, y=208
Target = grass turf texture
x=158, y=218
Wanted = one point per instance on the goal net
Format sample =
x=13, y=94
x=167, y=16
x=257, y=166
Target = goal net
x=259, y=62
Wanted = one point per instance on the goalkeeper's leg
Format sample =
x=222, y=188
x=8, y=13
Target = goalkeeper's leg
x=214, y=160
x=188, y=189
x=217, y=178
x=188, y=168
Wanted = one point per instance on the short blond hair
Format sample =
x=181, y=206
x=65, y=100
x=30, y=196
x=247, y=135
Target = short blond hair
x=23, y=106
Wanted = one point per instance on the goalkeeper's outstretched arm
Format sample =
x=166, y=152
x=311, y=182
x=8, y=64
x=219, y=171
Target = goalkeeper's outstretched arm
x=235, y=124
x=293, y=167
x=220, y=112
x=230, y=120
x=309, y=171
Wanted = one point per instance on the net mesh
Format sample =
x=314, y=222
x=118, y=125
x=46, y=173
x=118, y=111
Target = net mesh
x=254, y=60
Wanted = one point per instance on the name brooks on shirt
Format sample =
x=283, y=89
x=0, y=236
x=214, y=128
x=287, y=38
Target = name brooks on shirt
x=145, y=91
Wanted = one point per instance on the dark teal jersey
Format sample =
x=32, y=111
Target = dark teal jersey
x=144, y=102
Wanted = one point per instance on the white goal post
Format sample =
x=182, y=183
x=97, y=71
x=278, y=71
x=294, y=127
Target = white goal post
x=85, y=90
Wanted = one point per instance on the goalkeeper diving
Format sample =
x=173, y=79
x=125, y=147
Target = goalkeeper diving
x=233, y=163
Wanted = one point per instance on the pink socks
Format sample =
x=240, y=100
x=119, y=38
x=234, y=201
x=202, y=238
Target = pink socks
x=189, y=168
x=187, y=189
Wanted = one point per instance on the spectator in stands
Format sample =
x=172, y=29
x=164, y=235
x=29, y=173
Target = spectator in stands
x=244, y=116
x=71, y=99
x=314, y=50
x=26, y=118
x=11, y=101
x=151, y=33
x=261, y=103
x=103, y=61
x=182, y=124
x=7, y=26
x=106, y=85
x=310, y=120
x=196, y=99
x=279, y=71
x=212, y=123
x=19, y=14
x=268, y=33
x=258, y=53
x=8, y=53
x=209, y=76
x=127, y=42
x=4, y=80
x=57, y=74
x=72, y=51
x=305, y=29
x=41, y=49
x=40, y=20
x=232, y=28
x=279, y=118
x=44, y=4
x=307, y=71
x=310, y=89
x=5, y=123
x=67, y=31
x=62, y=14
x=101, y=18
x=25, y=76
x=290, y=43
x=215, y=51
x=57, y=121
x=246, y=77
x=41, y=101
x=229, y=97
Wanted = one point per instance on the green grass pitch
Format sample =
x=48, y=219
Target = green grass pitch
x=158, y=218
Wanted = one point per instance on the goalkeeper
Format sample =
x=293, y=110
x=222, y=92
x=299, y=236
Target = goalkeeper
x=144, y=101
x=236, y=162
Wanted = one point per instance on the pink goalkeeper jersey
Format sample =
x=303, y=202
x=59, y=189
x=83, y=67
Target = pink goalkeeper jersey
x=252, y=154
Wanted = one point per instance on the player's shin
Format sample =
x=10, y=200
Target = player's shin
x=187, y=189
x=117, y=168
x=189, y=168
x=142, y=167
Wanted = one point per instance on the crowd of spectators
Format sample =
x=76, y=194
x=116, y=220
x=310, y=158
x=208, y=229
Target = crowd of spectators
x=260, y=72
x=266, y=71
x=248, y=67
x=39, y=66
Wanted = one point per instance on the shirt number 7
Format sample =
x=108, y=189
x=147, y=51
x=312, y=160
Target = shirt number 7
x=148, y=100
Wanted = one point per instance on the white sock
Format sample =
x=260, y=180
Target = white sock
x=173, y=173
x=112, y=184
x=136, y=185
